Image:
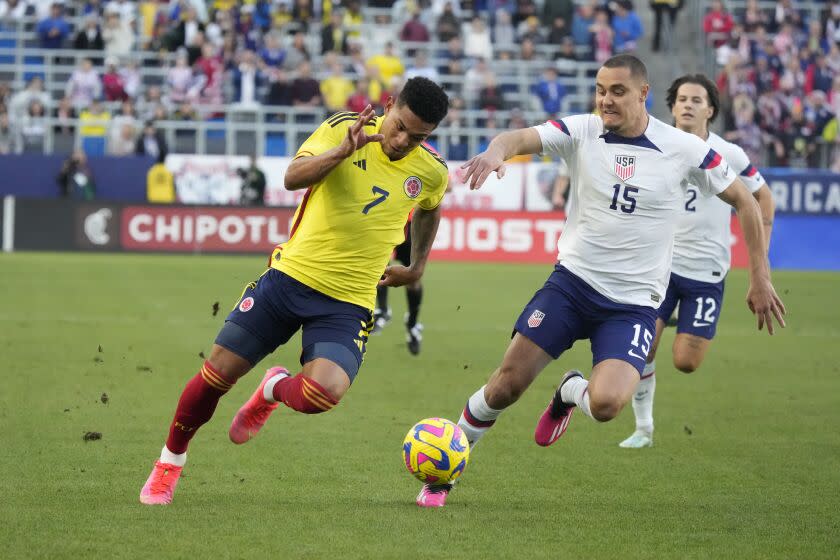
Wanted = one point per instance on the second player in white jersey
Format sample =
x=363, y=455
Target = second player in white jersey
x=702, y=251
x=703, y=240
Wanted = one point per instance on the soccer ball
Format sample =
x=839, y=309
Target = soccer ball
x=436, y=451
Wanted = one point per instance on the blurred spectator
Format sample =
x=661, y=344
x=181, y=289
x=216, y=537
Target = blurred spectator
x=530, y=30
x=185, y=33
x=336, y=89
x=84, y=85
x=297, y=53
x=627, y=27
x=122, y=131
x=550, y=91
x=527, y=50
x=75, y=180
x=279, y=89
x=65, y=114
x=180, y=81
x=787, y=13
x=717, y=24
x=19, y=103
x=53, y=30
x=12, y=10
x=210, y=66
x=582, y=22
x=359, y=98
x=754, y=17
x=302, y=13
x=148, y=102
x=453, y=58
x=602, y=37
x=160, y=184
x=764, y=78
x=477, y=39
x=113, y=87
x=746, y=132
x=453, y=125
x=563, y=9
x=662, y=10
x=31, y=129
x=90, y=37
x=448, y=25
x=253, y=185
x=94, y=120
x=817, y=111
x=490, y=97
x=7, y=135
x=333, y=35
x=248, y=80
x=558, y=33
x=474, y=78
x=524, y=10
x=414, y=30
x=306, y=91
x=387, y=63
x=798, y=137
x=422, y=67
x=504, y=33
x=818, y=75
x=117, y=34
x=151, y=143
x=353, y=20
x=185, y=112
x=132, y=81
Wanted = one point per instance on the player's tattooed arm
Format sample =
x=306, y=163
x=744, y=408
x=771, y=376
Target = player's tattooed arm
x=761, y=296
x=306, y=171
x=501, y=148
x=424, y=226
x=768, y=211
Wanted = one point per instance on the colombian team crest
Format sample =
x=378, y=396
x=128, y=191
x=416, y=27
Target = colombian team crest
x=625, y=166
x=246, y=304
x=535, y=319
x=412, y=186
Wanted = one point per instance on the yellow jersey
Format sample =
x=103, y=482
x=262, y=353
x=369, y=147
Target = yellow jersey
x=347, y=225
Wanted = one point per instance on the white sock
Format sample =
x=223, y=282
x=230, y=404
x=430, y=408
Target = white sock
x=574, y=392
x=268, y=388
x=643, y=399
x=477, y=417
x=177, y=459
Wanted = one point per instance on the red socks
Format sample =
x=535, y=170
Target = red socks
x=195, y=407
x=303, y=394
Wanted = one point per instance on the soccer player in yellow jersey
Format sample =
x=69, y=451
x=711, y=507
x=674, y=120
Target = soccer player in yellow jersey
x=362, y=174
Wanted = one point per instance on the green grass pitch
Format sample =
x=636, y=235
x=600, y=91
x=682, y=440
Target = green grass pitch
x=746, y=462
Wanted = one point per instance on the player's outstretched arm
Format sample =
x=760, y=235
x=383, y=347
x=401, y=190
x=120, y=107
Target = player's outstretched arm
x=761, y=296
x=501, y=148
x=424, y=226
x=306, y=171
x=768, y=211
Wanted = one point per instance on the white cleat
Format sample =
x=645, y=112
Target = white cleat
x=638, y=440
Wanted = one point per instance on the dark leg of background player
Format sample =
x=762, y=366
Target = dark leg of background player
x=414, y=296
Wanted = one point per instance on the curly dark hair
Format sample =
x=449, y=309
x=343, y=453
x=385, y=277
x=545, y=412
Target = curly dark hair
x=425, y=98
x=711, y=91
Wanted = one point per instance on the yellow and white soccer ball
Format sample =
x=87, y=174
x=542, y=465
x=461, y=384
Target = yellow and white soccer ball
x=436, y=451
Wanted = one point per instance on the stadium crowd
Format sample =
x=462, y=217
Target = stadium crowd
x=777, y=80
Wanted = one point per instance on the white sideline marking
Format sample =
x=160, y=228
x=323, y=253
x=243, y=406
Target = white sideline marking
x=8, y=224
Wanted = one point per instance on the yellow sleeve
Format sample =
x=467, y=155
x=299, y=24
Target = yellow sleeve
x=435, y=196
x=327, y=136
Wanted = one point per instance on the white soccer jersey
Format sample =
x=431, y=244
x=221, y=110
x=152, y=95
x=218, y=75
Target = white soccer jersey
x=629, y=195
x=702, y=242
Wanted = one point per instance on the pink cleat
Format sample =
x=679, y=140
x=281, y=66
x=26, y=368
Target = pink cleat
x=555, y=419
x=433, y=496
x=160, y=486
x=254, y=413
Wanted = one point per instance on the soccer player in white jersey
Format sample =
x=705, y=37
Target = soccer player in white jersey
x=701, y=250
x=629, y=175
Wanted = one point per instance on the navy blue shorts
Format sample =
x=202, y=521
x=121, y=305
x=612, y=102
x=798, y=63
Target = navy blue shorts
x=567, y=309
x=700, y=304
x=273, y=308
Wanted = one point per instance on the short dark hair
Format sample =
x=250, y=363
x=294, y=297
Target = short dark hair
x=425, y=98
x=711, y=91
x=636, y=66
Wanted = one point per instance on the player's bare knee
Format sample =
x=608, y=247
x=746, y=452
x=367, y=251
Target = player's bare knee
x=228, y=365
x=604, y=407
x=686, y=365
x=504, y=388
